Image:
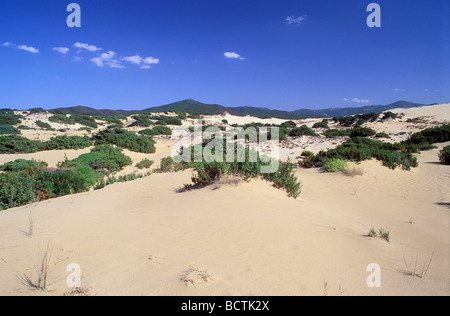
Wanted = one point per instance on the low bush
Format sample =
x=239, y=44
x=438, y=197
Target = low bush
x=306, y=153
x=333, y=133
x=17, y=144
x=67, y=142
x=8, y=130
x=62, y=119
x=444, y=155
x=382, y=135
x=335, y=165
x=84, y=120
x=362, y=132
x=124, y=139
x=141, y=120
x=44, y=126
x=62, y=182
x=302, y=131
x=17, y=189
x=103, y=159
x=321, y=125
x=9, y=119
x=21, y=165
x=144, y=164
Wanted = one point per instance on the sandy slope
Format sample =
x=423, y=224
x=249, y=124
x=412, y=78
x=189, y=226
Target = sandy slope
x=139, y=237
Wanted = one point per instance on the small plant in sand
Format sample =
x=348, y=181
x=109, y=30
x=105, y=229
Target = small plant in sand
x=411, y=221
x=30, y=225
x=41, y=282
x=194, y=276
x=382, y=234
x=335, y=165
x=444, y=155
x=414, y=270
x=144, y=164
x=353, y=171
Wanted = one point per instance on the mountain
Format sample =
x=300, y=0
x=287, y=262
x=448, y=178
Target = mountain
x=190, y=105
x=333, y=112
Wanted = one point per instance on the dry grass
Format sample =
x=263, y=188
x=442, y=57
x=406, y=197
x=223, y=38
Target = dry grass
x=353, y=171
x=194, y=276
x=78, y=291
x=227, y=180
x=41, y=282
x=414, y=270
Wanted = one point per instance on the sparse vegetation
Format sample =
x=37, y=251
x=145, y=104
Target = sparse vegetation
x=444, y=155
x=44, y=126
x=335, y=165
x=144, y=164
x=8, y=130
x=302, y=131
x=124, y=139
x=321, y=125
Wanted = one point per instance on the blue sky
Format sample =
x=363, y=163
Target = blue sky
x=281, y=54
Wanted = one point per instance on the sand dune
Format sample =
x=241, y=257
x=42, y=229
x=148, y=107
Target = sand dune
x=141, y=237
x=137, y=238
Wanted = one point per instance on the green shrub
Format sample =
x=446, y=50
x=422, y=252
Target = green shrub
x=289, y=124
x=209, y=172
x=141, y=120
x=21, y=165
x=17, y=189
x=144, y=164
x=430, y=136
x=9, y=119
x=444, y=155
x=17, y=144
x=103, y=159
x=8, y=130
x=335, y=165
x=333, y=133
x=67, y=142
x=302, y=131
x=87, y=174
x=160, y=122
x=62, y=119
x=44, y=126
x=61, y=182
x=225, y=122
x=84, y=120
x=161, y=130
x=321, y=125
x=24, y=127
x=382, y=135
x=362, y=132
x=124, y=139
x=306, y=153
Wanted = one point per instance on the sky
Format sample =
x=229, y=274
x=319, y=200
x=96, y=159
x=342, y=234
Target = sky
x=278, y=54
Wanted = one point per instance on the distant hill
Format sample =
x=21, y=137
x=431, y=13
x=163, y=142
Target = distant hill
x=216, y=109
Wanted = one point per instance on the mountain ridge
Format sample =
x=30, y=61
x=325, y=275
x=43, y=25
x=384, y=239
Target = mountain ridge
x=190, y=105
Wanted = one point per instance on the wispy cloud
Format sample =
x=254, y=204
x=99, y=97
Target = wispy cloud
x=90, y=48
x=137, y=60
x=293, y=19
x=144, y=62
x=357, y=100
x=29, y=49
x=62, y=50
x=233, y=55
x=26, y=48
x=107, y=59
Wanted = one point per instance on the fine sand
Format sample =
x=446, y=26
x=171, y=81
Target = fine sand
x=143, y=237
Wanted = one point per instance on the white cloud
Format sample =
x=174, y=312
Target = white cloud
x=26, y=48
x=137, y=60
x=346, y=99
x=107, y=59
x=295, y=19
x=145, y=67
x=29, y=49
x=76, y=59
x=233, y=55
x=357, y=100
x=90, y=48
x=62, y=50
x=151, y=61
